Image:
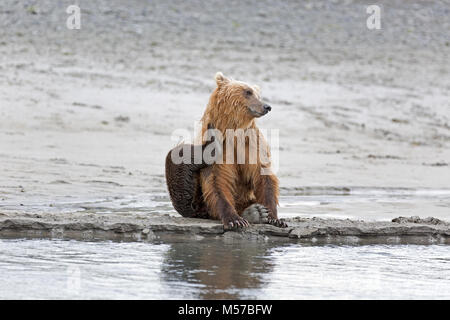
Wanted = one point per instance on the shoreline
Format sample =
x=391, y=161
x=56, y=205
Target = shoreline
x=141, y=228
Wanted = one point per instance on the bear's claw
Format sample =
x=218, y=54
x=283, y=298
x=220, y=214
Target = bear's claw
x=235, y=222
x=280, y=223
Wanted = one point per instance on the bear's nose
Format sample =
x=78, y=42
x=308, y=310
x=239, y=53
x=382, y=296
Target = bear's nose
x=267, y=108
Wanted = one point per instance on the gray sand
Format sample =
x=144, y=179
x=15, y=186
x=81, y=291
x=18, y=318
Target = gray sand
x=86, y=115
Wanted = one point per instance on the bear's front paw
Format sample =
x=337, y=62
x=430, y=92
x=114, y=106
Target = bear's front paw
x=280, y=223
x=256, y=214
x=234, y=221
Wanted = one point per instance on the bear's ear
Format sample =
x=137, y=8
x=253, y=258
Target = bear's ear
x=221, y=79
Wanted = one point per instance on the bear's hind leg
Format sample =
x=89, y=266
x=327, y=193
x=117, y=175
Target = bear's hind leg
x=183, y=179
x=256, y=214
x=180, y=179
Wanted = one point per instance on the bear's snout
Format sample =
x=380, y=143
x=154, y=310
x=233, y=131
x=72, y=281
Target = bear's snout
x=259, y=109
x=267, y=108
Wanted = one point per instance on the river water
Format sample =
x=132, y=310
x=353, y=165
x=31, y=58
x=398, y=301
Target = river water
x=210, y=268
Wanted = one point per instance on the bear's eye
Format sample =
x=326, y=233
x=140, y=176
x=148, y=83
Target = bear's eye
x=248, y=93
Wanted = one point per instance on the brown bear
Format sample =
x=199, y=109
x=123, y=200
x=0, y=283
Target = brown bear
x=232, y=190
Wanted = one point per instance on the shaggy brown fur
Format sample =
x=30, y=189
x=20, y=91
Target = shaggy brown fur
x=229, y=188
x=225, y=190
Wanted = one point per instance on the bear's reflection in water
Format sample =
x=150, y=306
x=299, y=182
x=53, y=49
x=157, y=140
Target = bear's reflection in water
x=217, y=269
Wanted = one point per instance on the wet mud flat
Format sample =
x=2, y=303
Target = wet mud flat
x=88, y=115
x=141, y=227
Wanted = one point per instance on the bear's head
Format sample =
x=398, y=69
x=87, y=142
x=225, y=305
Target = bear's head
x=234, y=105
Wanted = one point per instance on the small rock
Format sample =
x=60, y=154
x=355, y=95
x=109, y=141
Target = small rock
x=302, y=233
x=122, y=119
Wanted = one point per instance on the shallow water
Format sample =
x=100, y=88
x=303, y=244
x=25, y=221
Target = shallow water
x=367, y=203
x=205, y=268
